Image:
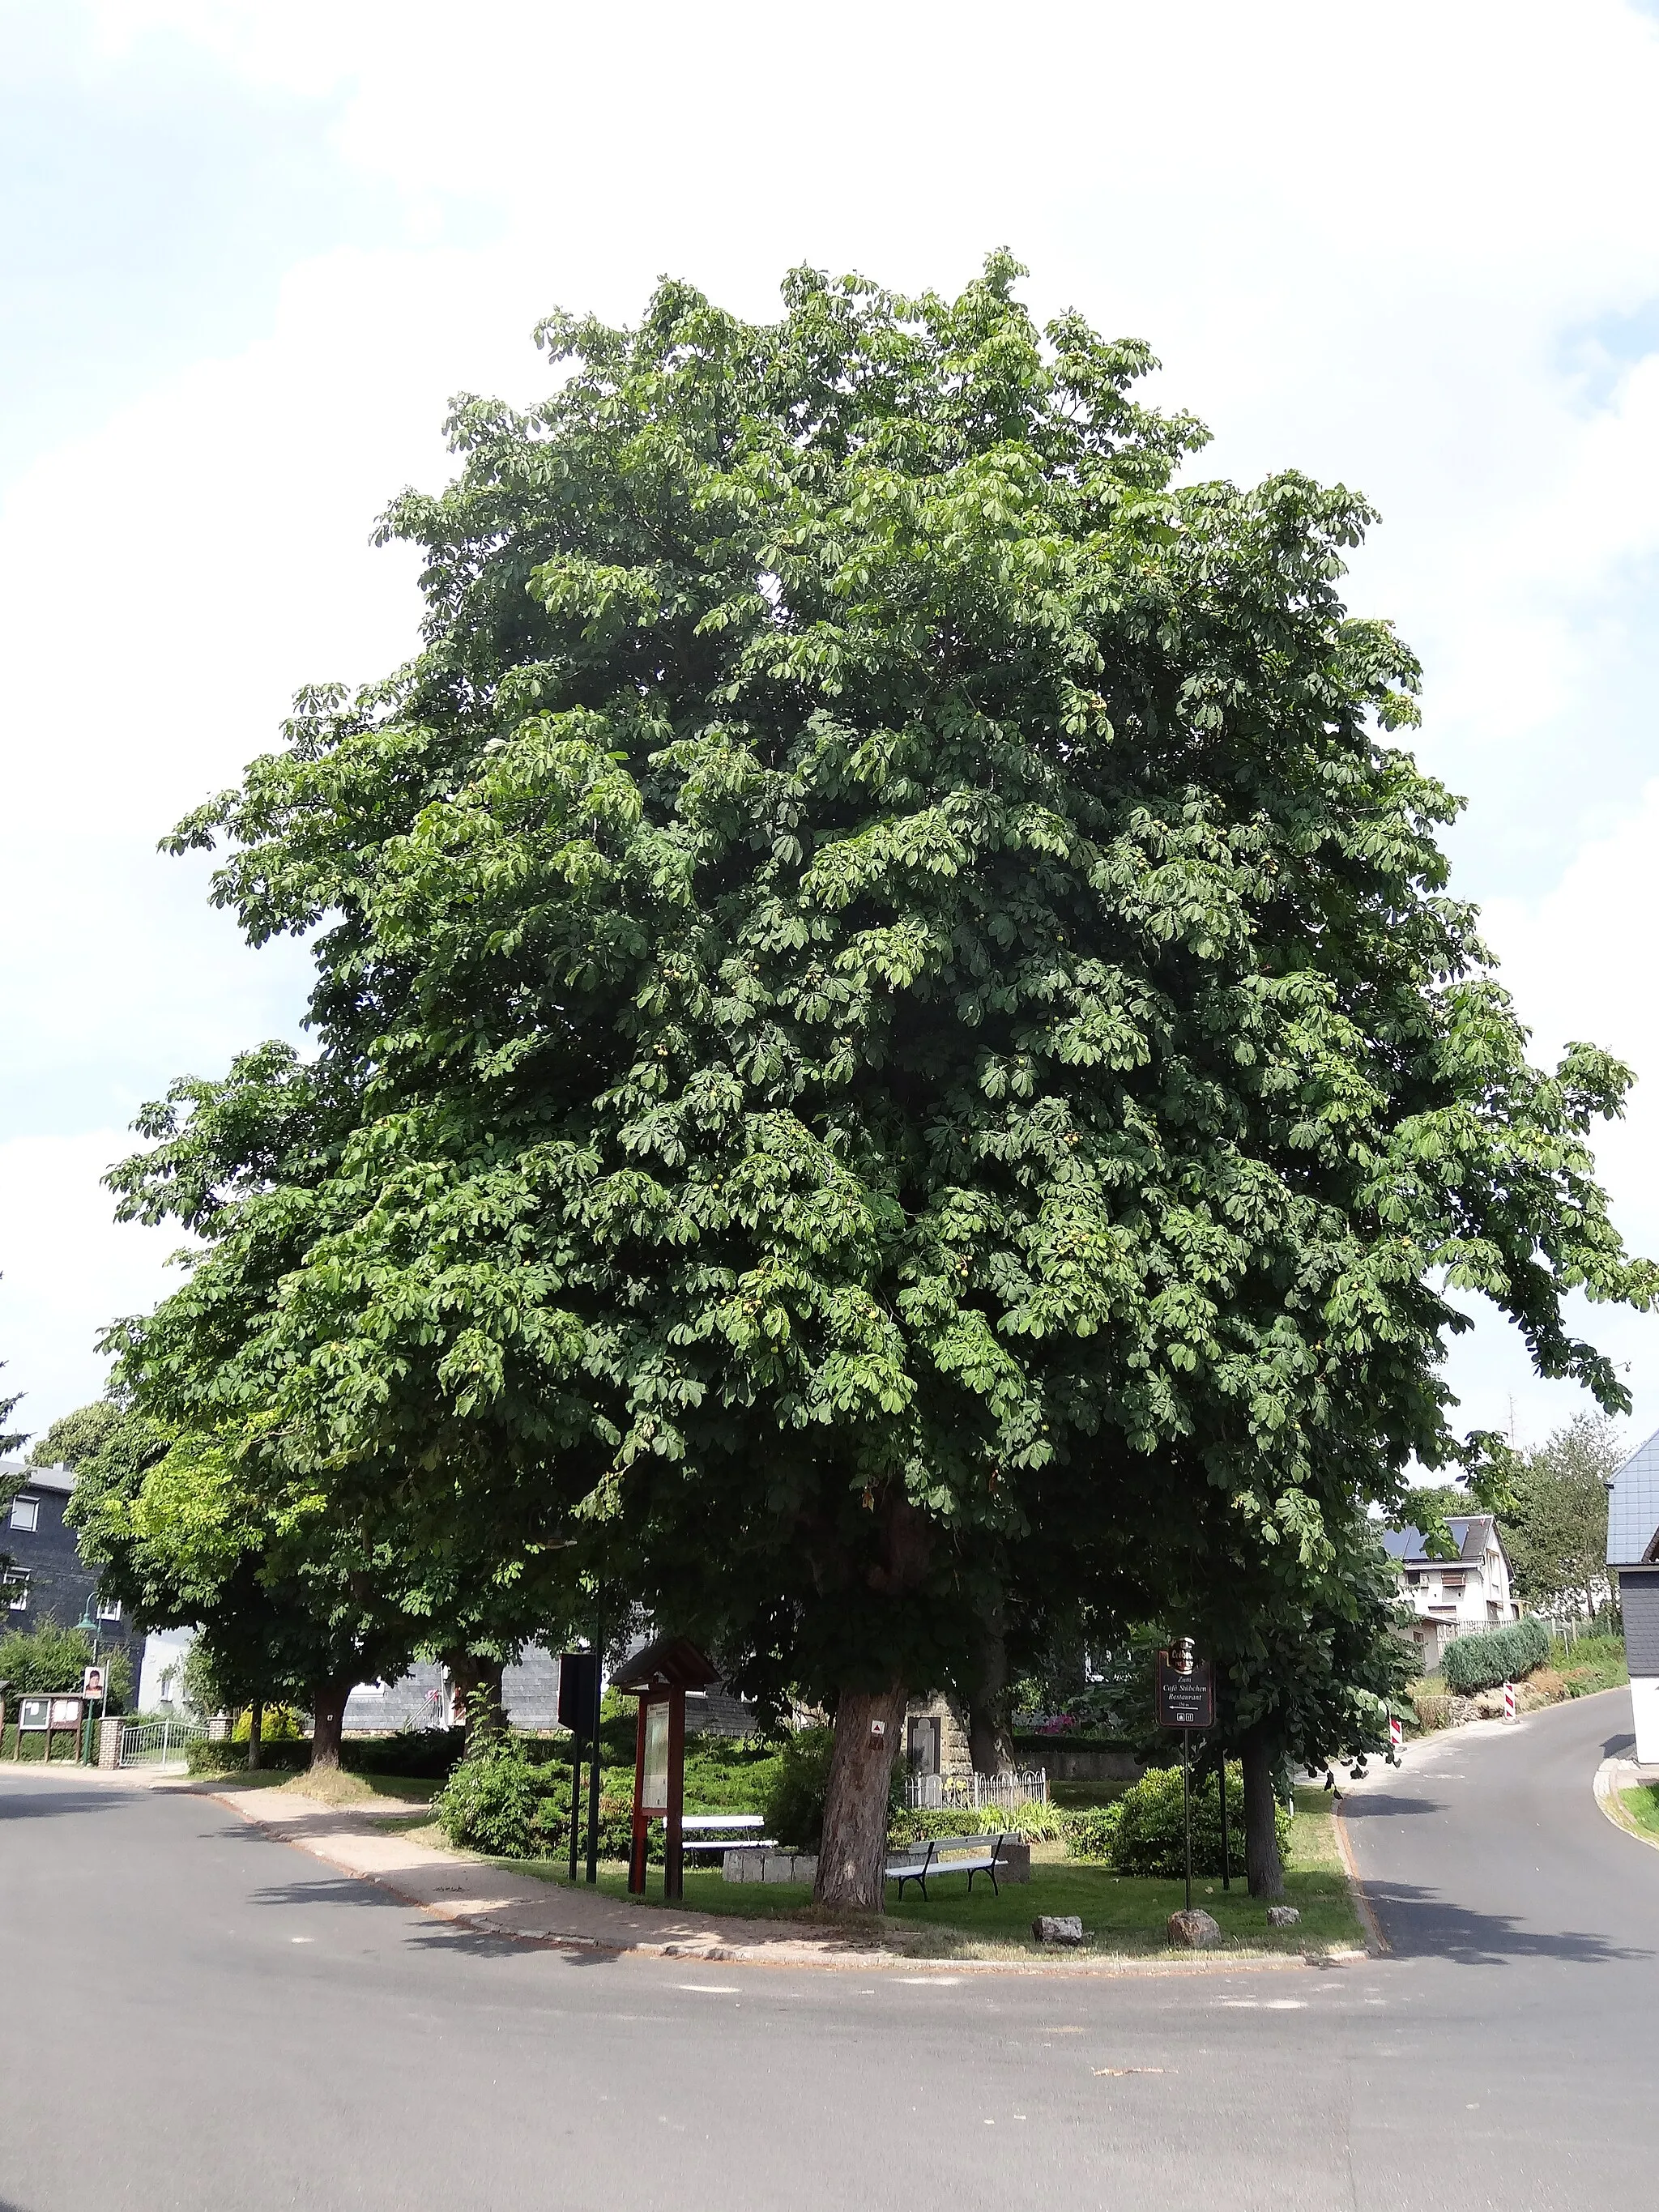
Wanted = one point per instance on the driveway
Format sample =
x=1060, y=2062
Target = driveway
x=194, y=2015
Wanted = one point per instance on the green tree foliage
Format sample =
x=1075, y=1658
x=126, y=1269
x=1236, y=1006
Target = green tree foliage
x=48, y=1656
x=1555, y=1529
x=75, y=1438
x=888, y=1019
x=183, y=1541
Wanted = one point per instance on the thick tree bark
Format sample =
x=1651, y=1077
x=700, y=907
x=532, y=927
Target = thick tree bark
x=990, y=1732
x=1264, y=1871
x=256, y=1722
x=476, y=1687
x=328, y=1705
x=853, y=1855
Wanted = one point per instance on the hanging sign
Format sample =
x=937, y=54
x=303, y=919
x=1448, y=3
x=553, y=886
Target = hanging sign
x=1184, y=1688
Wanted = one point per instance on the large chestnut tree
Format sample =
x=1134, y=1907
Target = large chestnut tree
x=887, y=1014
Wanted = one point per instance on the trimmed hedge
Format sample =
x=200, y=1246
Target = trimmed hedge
x=1481, y=1662
x=427, y=1754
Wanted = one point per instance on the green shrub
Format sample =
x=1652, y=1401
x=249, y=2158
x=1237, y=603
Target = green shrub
x=502, y=1804
x=1032, y=1823
x=1145, y=1830
x=278, y=1724
x=794, y=1802
x=1481, y=1662
x=1091, y=1832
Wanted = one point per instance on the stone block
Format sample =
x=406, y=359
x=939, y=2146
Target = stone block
x=1194, y=1930
x=1014, y=1862
x=1064, y=1928
x=1283, y=1916
x=769, y=1865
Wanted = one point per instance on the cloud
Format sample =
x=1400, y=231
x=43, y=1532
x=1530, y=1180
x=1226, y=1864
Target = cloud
x=67, y=1277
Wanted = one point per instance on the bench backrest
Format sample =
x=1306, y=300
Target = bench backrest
x=937, y=1844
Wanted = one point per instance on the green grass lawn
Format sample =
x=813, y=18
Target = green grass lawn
x=1121, y=1914
x=1641, y=1804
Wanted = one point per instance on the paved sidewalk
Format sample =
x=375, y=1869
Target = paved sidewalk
x=479, y=1895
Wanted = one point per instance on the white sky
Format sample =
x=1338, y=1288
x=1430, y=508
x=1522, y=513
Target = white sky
x=247, y=252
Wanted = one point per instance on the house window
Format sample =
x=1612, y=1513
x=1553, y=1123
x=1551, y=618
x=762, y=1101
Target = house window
x=15, y=1581
x=109, y=1609
x=25, y=1513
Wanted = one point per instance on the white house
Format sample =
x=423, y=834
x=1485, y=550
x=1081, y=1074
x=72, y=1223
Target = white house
x=1633, y=1555
x=1464, y=1596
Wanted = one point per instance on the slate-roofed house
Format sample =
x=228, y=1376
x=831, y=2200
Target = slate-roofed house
x=1464, y=1596
x=1633, y=1556
x=48, y=1579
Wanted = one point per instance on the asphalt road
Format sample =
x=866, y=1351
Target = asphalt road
x=194, y=2018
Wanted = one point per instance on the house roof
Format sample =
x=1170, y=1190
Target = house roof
x=1471, y=1533
x=1633, y=1507
x=39, y=1478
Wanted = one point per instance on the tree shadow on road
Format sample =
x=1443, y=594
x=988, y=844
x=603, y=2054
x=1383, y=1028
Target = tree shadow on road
x=1421, y=1923
x=25, y=1806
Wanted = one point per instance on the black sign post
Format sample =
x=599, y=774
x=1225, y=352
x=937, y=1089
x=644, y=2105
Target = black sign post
x=579, y=1684
x=1184, y=1694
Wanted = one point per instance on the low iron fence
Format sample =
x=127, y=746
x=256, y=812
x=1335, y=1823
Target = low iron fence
x=924, y=1792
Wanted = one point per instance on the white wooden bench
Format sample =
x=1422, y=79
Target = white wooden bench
x=723, y=1836
x=980, y=1853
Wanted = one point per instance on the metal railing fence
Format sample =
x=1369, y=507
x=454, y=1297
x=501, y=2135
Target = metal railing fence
x=924, y=1792
x=159, y=1743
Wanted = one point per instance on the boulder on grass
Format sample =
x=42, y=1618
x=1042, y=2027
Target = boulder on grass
x=1061, y=1928
x=1194, y=1930
x=1283, y=1916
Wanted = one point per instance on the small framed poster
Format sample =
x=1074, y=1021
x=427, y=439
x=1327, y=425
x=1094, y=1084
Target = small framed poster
x=35, y=1713
x=653, y=1791
x=66, y=1712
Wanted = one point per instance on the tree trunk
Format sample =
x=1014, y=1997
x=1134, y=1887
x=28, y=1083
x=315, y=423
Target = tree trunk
x=328, y=1705
x=476, y=1688
x=990, y=1735
x=1264, y=1871
x=853, y=1855
x=256, y=1720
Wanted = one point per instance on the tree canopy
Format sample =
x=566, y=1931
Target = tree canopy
x=888, y=1019
x=1555, y=1530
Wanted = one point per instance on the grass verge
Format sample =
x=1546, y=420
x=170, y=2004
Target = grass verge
x=336, y=1786
x=1122, y=1915
x=1642, y=1804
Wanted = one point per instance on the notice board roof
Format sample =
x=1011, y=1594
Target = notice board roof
x=672, y=1662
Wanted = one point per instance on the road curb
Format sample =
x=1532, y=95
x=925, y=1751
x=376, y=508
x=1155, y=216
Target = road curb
x=716, y=1951
x=1377, y=1945
x=1612, y=1776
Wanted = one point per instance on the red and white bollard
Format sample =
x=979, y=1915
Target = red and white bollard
x=1509, y=1701
x=1396, y=1733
